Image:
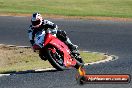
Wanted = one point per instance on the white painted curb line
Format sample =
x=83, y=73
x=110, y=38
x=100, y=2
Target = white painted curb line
x=4, y=75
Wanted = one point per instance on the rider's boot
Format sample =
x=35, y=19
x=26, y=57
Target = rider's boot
x=71, y=46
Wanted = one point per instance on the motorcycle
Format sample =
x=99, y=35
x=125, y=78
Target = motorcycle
x=58, y=53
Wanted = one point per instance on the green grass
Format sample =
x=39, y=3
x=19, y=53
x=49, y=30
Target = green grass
x=108, y=8
x=22, y=59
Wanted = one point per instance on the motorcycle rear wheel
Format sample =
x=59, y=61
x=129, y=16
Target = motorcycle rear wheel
x=79, y=61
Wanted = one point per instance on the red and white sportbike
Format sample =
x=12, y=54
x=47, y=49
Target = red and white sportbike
x=58, y=53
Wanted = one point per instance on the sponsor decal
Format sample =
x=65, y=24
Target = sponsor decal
x=82, y=77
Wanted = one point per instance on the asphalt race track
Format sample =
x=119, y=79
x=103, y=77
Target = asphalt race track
x=98, y=36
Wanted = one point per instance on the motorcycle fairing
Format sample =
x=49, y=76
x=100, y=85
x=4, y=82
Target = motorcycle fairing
x=50, y=39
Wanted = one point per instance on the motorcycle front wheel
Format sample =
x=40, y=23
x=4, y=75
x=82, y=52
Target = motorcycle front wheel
x=55, y=57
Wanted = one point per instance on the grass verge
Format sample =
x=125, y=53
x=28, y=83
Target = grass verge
x=107, y=8
x=22, y=59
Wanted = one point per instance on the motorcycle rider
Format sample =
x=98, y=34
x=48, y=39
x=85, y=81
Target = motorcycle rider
x=40, y=26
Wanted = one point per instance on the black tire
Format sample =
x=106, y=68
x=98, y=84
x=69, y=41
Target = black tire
x=54, y=58
x=79, y=63
x=81, y=80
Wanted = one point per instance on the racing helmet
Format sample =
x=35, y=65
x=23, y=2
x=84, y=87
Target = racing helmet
x=36, y=20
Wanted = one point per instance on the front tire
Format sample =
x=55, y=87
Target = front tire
x=55, y=58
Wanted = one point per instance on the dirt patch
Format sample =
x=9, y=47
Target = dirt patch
x=71, y=17
x=12, y=55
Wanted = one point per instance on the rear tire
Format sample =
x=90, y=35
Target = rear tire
x=81, y=80
x=79, y=61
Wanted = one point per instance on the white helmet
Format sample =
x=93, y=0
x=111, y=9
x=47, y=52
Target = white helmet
x=36, y=20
